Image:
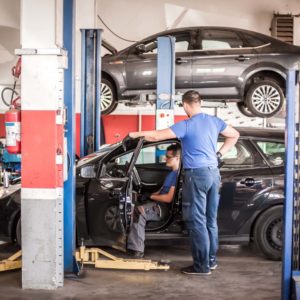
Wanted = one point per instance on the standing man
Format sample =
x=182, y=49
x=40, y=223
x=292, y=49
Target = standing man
x=199, y=135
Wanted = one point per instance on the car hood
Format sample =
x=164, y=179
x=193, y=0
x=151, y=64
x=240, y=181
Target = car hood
x=109, y=47
x=10, y=190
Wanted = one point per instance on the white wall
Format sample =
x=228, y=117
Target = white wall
x=136, y=19
x=9, y=38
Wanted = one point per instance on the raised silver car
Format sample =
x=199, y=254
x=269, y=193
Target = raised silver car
x=223, y=64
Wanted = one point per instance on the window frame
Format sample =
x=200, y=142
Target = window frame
x=241, y=166
x=263, y=155
x=203, y=31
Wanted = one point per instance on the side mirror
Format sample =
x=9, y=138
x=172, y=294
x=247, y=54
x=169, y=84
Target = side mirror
x=88, y=172
x=140, y=48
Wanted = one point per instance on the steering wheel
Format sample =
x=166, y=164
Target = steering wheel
x=136, y=179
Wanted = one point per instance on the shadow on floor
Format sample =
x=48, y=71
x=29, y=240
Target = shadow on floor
x=242, y=274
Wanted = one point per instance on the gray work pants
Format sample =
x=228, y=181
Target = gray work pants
x=136, y=238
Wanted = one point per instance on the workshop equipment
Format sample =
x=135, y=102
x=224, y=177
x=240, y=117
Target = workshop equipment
x=13, y=130
x=13, y=115
x=104, y=260
x=11, y=263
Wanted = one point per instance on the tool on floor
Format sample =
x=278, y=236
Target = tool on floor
x=104, y=260
x=11, y=263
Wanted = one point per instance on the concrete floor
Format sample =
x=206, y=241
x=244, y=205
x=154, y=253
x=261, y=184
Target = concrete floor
x=242, y=274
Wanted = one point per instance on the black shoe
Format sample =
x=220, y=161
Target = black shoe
x=191, y=271
x=135, y=254
x=213, y=266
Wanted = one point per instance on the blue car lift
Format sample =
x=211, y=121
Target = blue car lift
x=90, y=137
x=290, y=260
x=90, y=142
x=70, y=265
x=164, y=116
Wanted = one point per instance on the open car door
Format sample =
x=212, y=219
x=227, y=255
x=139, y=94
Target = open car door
x=108, y=198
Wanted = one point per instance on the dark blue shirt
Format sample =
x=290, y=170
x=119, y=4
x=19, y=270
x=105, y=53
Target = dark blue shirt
x=199, y=137
x=169, y=182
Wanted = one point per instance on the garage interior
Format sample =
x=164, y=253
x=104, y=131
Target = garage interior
x=59, y=87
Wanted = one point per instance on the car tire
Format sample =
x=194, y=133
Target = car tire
x=244, y=110
x=111, y=219
x=108, y=101
x=268, y=233
x=18, y=233
x=264, y=98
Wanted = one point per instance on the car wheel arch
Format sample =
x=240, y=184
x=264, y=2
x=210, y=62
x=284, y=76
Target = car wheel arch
x=113, y=81
x=271, y=74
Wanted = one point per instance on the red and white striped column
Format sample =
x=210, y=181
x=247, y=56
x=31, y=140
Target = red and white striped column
x=42, y=145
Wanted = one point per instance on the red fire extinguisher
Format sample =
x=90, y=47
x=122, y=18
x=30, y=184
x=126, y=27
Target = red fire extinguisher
x=13, y=130
x=13, y=117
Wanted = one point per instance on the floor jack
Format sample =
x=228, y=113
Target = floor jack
x=104, y=260
x=11, y=263
x=94, y=256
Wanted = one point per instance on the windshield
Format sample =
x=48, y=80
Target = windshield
x=104, y=149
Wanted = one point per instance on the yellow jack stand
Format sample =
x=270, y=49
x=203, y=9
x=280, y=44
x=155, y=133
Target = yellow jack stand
x=12, y=263
x=92, y=256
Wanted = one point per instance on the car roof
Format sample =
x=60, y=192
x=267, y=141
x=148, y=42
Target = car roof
x=268, y=39
x=182, y=29
x=270, y=133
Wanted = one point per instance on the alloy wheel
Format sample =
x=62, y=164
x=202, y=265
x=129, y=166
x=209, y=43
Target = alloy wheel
x=106, y=97
x=111, y=217
x=266, y=99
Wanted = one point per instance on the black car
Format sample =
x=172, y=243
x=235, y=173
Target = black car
x=223, y=64
x=109, y=181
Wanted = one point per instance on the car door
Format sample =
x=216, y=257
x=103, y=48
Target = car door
x=108, y=199
x=141, y=68
x=245, y=181
x=219, y=64
x=151, y=166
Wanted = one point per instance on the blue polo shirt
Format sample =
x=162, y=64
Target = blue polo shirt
x=199, y=136
x=169, y=182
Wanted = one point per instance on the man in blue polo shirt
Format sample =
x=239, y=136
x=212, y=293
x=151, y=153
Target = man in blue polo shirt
x=200, y=195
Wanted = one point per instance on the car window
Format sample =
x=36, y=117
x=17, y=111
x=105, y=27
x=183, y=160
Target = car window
x=253, y=40
x=117, y=165
x=184, y=42
x=104, y=149
x=274, y=152
x=212, y=39
x=237, y=157
x=213, y=44
x=124, y=159
x=181, y=46
x=153, y=154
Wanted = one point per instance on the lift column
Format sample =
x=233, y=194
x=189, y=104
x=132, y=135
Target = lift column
x=90, y=91
x=69, y=99
x=165, y=82
x=42, y=86
x=290, y=259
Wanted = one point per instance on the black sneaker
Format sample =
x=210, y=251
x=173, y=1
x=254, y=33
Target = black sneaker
x=213, y=266
x=135, y=254
x=191, y=271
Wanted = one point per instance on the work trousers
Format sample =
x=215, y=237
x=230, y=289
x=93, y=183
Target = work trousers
x=146, y=212
x=200, y=207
